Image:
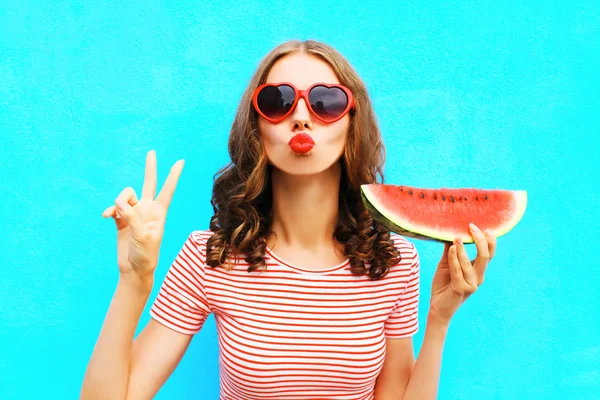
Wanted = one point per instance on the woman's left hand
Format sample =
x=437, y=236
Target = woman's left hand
x=456, y=278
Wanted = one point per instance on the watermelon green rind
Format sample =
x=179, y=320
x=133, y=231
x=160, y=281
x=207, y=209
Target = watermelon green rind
x=389, y=224
x=393, y=222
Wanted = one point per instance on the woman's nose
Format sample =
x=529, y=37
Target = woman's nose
x=301, y=117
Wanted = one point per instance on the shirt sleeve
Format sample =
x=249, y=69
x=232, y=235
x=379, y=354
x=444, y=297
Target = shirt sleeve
x=181, y=303
x=403, y=320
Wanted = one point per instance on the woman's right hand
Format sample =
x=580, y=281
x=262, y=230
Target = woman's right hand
x=140, y=223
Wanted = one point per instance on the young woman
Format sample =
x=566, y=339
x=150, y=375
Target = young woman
x=312, y=298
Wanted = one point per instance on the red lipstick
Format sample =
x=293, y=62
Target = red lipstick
x=301, y=143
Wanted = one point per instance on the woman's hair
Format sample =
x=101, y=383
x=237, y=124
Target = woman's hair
x=242, y=195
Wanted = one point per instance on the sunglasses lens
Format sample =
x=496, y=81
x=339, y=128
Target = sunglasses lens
x=328, y=103
x=275, y=101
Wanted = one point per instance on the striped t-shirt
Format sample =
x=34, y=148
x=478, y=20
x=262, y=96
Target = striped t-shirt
x=287, y=332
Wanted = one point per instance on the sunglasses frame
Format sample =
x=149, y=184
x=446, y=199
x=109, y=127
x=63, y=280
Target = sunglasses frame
x=303, y=94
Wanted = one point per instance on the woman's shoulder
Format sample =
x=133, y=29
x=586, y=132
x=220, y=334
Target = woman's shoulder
x=196, y=243
x=200, y=236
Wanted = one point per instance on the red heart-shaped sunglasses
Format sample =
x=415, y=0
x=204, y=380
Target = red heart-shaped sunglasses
x=327, y=102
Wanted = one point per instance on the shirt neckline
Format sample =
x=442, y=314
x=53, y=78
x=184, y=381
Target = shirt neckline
x=337, y=267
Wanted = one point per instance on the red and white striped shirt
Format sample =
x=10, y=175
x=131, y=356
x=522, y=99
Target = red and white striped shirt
x=290, y=333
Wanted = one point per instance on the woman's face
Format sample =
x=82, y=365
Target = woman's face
x=302, y=70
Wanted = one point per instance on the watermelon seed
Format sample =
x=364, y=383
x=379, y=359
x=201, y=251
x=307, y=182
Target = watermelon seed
x=485, y=197
x=477, y=198
x=422, y=196
x=435, y=196
x=410, y=192
x=452, y=199
x=443, y=198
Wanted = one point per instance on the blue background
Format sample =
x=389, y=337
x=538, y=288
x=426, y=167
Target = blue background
x=480, y=94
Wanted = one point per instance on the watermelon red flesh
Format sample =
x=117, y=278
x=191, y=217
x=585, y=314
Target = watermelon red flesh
x=444, y=214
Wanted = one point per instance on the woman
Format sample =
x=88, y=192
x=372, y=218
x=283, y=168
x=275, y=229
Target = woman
x=312, y=298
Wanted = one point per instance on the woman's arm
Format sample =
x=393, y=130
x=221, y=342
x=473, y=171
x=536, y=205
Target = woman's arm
x=121, y=368
x=425, y=378
x=401, y=377
x=116, y=369
x=107, y=373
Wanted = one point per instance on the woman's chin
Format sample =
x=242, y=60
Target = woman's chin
x=302, y=164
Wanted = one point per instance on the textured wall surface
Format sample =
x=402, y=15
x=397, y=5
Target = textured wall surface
x=493, y=95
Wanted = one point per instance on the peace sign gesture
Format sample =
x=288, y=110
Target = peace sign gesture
x=140, y=223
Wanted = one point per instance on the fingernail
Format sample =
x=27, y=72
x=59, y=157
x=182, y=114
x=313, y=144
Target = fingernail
x=472, y=226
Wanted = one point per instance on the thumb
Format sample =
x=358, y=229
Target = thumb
x=128, y=214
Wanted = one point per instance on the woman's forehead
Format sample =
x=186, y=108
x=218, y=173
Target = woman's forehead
x=302, y=70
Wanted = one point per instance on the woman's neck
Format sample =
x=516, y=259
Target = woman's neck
x=305, y=208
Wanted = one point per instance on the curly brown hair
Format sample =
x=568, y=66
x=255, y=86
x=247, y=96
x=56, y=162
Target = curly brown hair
x=242, y=196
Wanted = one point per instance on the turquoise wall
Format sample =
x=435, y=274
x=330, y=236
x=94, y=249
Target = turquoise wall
x=485, y=94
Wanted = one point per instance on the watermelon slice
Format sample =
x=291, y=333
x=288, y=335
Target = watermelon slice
x=443, y=214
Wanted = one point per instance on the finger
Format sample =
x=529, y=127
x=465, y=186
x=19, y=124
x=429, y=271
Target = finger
x=483, y=255
x=466, y=267
x=127, y=196
x=166, y=193
x=149, y=188
x=110, y=212
x=491, y=239
x=456, y=275
x=130, y=216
